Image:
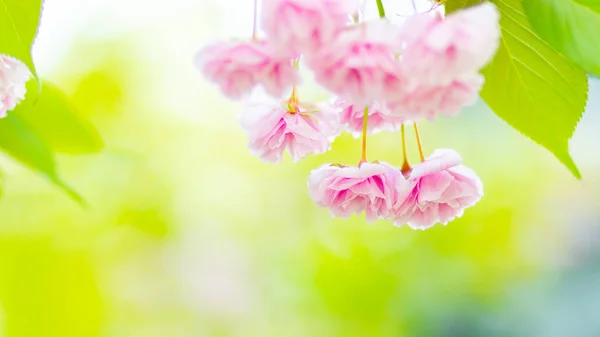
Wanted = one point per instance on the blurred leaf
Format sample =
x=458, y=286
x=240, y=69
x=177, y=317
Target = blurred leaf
x=148, y=220
x=570, y=26
x=532, y=87
x=18, y=140
x=59, y=123
x=100, y=92
x=454, y=5
x=19, y=20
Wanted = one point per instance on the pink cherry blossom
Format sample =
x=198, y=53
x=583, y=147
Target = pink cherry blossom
x=439, y=50
x=379, y=118
x=346, y=190
x=13, y=77
x=361, y=65
x=304, y=26
x=306, y=129
x=238, y=67
x=429, y=101
x=439, y=189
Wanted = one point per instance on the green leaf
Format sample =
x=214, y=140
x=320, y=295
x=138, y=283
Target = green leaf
x=19, y=141
x=58, y=122
x=454, y=5
x=570, y=26
x=19, y=20
x=534, y=88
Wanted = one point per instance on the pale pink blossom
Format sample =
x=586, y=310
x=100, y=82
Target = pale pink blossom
x=429, y=101
x=369, y=188
x=238, y=67
x=380, y=118
x=304, y=26
x=438, y=190
x=361, y=64
x=13, y=77
x=439, y=50
x=302, y=129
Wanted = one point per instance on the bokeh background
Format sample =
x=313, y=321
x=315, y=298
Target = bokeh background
x=189, y=235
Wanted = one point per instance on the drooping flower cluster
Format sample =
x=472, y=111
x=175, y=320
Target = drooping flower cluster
x=436, y=190
x=13, y=76
x=383, y=77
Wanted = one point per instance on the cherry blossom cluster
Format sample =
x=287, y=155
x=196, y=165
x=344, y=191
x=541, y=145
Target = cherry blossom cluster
x=13, y=76
x=382, y=77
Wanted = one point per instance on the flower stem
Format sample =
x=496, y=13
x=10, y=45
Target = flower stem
x=380, y=9
x=405, y=165
x=294, y=97
x=419, y=142
x=293, y=101
x=363, y=157
x=255, y=23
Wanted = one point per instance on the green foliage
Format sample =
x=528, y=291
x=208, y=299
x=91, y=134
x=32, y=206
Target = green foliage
x=40, y=126
x=454, y=5
x=570, y=26
x=19, y=141
x=60, y=125
x=19, y=20
x=532, y=87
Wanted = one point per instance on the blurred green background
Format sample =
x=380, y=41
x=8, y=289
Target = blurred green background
x=189, y=235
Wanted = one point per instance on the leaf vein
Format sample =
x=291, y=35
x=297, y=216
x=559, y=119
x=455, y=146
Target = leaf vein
x=13, y=24
x=549, y=83
x=528, y=29
x=534, y=50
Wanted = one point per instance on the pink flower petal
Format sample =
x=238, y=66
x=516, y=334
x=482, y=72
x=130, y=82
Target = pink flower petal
x=428, y=101
x=272, y=129
x=304, y=26
x=361, y=65
x=13, y=77
x=440, y=190
x=439, y=51
x=238, y=67
x=370, y=188
x=380, y=118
